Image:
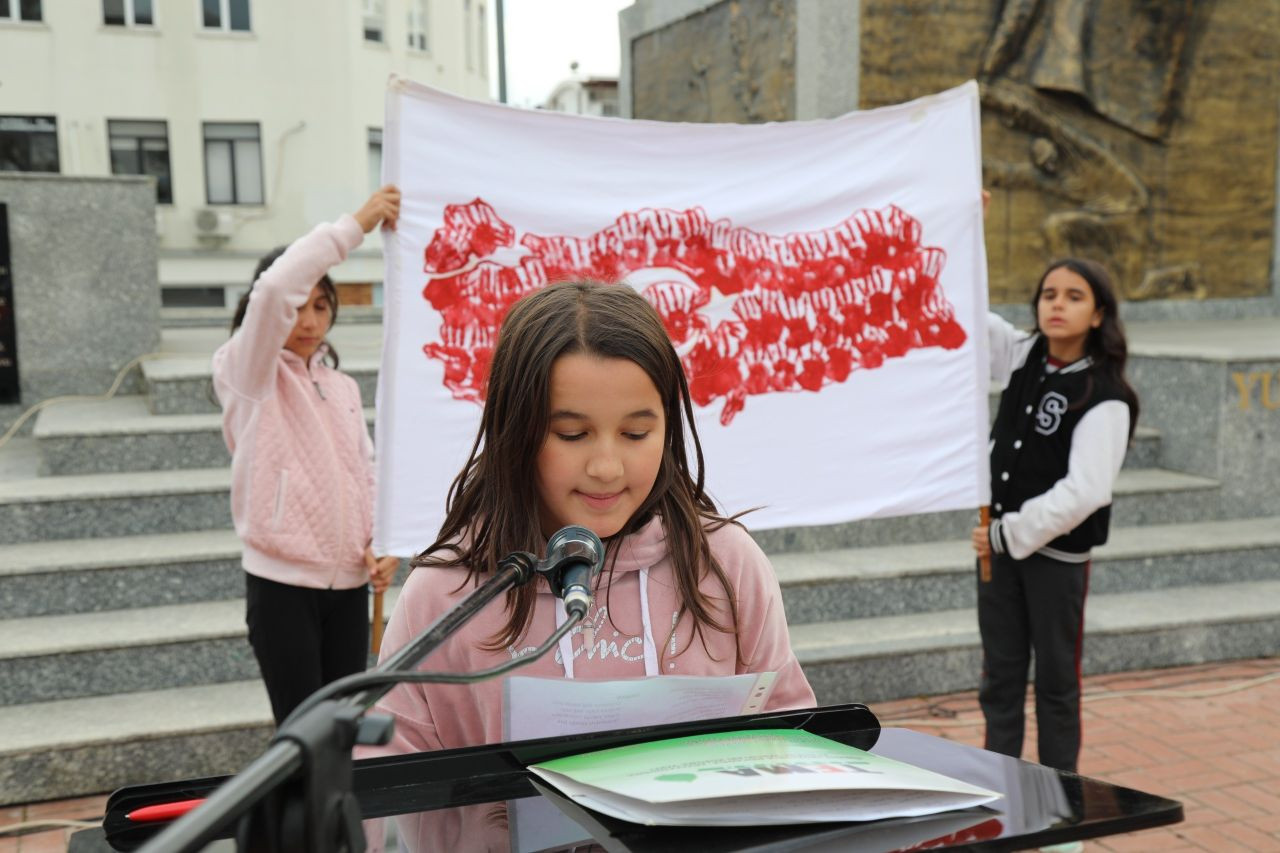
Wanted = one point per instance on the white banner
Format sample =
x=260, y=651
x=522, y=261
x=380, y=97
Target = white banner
x=824, y=282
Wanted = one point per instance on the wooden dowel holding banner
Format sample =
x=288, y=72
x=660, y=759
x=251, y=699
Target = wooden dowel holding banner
x=984, y=563
x=375, y=642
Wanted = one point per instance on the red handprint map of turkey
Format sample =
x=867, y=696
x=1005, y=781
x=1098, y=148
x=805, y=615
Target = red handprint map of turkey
x=807, y=309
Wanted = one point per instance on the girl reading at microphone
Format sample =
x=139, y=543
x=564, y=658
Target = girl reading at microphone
x=587, y=421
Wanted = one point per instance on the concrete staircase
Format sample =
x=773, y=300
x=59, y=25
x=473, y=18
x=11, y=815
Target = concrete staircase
x=122, y=646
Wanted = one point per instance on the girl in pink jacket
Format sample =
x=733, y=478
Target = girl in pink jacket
x=585, y=423
x=301, y=465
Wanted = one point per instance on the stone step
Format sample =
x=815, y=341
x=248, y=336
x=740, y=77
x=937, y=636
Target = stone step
x=896, y=657
x=48, y=658
x=121, y=434
x=181, y=384
x=143, y=502
x=1141, y=496
x=220, y=318
x=119, y=573
x=856, y=583
x=184, y=385
x=19, y=458
x=125, y=504
x=57, y=656
x=80, y=746
x=68, y=748
x=1144, y=449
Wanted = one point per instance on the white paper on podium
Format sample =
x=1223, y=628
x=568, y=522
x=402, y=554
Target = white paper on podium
x=552, y=707
x=753, y=778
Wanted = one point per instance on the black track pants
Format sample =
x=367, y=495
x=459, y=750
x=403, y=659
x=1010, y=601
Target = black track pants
x=1036, y=604
x=304, y=638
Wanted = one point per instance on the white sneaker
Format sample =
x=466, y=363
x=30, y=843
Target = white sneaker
x=1064, y=847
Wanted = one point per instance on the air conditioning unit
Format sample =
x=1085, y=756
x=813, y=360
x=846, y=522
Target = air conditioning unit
x=214, y=226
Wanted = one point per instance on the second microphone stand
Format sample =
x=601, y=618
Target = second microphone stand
x=297, y=795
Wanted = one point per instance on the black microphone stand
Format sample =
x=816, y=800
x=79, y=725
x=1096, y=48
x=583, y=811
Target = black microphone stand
x=297, y=795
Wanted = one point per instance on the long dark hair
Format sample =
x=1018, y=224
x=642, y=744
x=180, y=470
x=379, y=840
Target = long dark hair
x=1106, y=345
x=491, y=509
x=327, y=286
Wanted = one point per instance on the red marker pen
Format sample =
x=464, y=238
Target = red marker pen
x=163, y=811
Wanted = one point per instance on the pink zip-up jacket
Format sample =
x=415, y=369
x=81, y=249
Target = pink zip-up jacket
x=301, y=458
x=609, y=644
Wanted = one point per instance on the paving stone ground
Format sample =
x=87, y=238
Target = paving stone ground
x=1208, y=736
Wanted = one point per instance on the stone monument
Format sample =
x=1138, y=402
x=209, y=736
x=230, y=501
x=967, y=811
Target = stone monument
x=82, y=269
x=1140, y=133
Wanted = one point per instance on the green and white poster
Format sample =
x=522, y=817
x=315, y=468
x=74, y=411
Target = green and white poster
x=751, y=778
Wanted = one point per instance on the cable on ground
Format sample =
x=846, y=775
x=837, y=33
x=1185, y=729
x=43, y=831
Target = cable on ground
x=111, y=392
x=40, y=825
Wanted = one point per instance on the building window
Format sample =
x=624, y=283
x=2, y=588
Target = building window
x=20, y=10
x=482, y=41
x=418, y=28
x=127, y=13
x=375, y=158
x=142, y=148
x=374, y=20
x=230, y=15
x=28, y=144
x=233, y=163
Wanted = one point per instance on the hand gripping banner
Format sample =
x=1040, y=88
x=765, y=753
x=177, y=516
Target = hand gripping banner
x=824, y=283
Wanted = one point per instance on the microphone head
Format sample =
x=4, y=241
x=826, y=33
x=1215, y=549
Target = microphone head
x=573, y=544
x=568, y=552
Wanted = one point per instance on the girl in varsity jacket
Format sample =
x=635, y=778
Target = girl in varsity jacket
x=1059, y=438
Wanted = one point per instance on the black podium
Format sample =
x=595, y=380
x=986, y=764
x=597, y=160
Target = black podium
x=482, y=798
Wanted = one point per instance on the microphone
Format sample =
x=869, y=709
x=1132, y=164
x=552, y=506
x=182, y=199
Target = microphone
x=575, y=556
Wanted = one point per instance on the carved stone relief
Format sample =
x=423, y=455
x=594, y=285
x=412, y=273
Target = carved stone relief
x=1142, y=133
x=1138, y=132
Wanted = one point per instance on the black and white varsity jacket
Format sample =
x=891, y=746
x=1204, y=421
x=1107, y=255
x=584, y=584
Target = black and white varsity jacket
x=1057, y=444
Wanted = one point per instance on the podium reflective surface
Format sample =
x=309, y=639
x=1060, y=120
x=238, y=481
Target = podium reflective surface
x=482, y=799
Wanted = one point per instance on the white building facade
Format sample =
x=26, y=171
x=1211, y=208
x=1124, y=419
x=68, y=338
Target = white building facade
x=258, y=118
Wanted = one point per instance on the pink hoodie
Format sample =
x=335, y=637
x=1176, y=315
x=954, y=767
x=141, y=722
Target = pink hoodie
x=301, y=459
x=612, y=645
